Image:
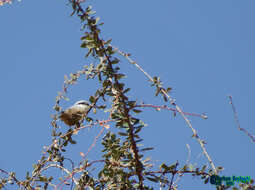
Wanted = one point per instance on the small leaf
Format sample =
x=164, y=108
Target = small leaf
x=168, y=89
x=82, y=154
x=72, y=141
x=136, y=111
x=203, y=168
x=146, y=149
x=164, y=166
x=138, y=130
x=122, y=134
x=84, y=45
x=126, y=90
x=206, y=180
x=153, y=179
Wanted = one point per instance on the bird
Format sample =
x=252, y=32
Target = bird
x=74, y=114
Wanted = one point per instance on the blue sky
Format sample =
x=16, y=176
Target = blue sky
x=204, y=50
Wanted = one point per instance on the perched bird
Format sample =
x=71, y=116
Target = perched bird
x=72, y=115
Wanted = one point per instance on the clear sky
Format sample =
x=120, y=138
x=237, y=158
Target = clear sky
x=203, y=49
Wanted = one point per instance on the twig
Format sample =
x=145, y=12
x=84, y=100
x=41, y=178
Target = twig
x=64, y=169
x=178, y=172
x=86, y=126
x=12, y=176
x=94, y=142
x=172, y=109
x=75, y=131
x=187, y=162
x=237, y=120
x=77, y=170
x=172, y=178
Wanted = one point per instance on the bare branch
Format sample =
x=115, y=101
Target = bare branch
x=63, y=169
x=94, y=143
x=172, y=109
x=237, y=120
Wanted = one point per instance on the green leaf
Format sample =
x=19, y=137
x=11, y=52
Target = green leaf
x=43, y=179
x=203, y=168
x=84, y=45
x=157, y=91
x=138, y=130
x=126, y=125
x=89, y=119
x=219, y=168
x=146, y=149
x=164, y=166
x=122, y=134
x=72, y=141
x=126, y=90
x=115, y=61
x=97, y=19
x=206, y=180
x=108, y=41
x=168, y=89
x=136, y=111
x=153, y=179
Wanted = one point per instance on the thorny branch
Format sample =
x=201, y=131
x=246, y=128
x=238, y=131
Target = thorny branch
x=172, y=102
x=138, y=164
x=11, y=175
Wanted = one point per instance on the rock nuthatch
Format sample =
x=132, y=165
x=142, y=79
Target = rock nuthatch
x=72, y=115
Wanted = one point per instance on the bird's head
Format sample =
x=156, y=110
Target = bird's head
x=82, y=102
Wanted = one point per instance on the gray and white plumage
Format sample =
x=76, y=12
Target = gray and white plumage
x=72, y=115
